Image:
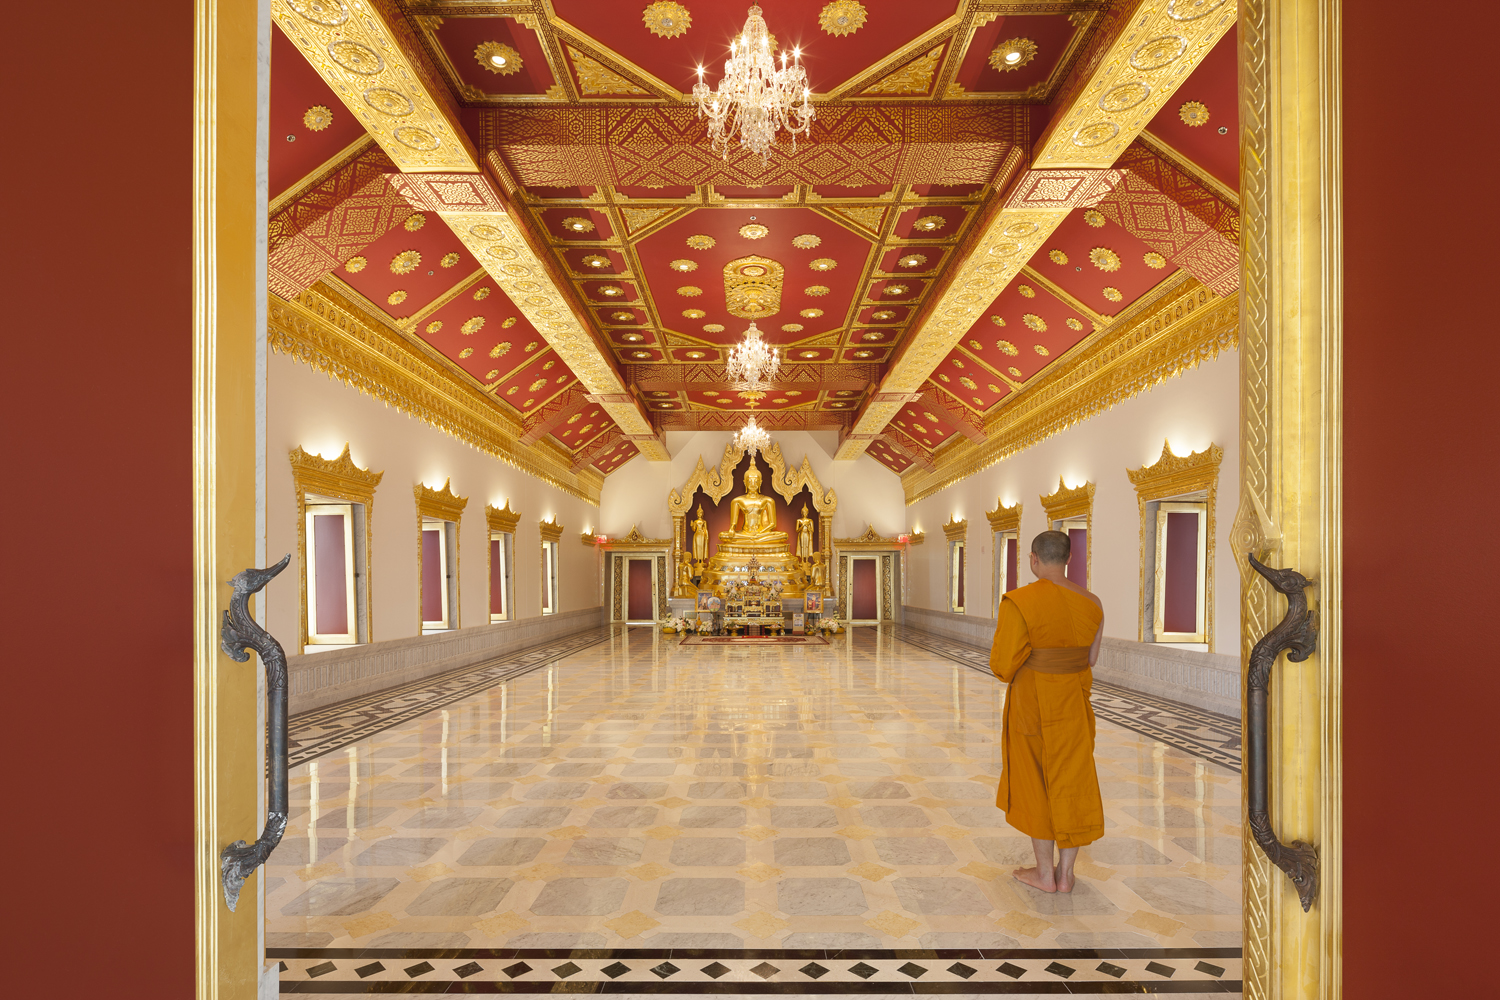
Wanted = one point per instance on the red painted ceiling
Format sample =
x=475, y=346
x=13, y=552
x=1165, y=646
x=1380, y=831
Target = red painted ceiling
x=1215, y=85
x=295, y=149
x=459, y=37
x=1050, y=32
x=1076, y=240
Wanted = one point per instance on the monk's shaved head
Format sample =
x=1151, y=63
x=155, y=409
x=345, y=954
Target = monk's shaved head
x=1052, y=547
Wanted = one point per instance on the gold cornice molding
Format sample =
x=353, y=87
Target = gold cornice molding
x=1183, y=325
x=502, y=518
x=956, y=530
x=1069, y=501
x=869, y=541
x=334, y=336
x=551, y=530
x=1173, y=475
x=442, y=504
x=374, y=63
x=1004, y=518
x=1156, y=46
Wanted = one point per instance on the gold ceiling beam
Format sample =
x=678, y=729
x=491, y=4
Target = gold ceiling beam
x=471, y=207
x=1146, y=50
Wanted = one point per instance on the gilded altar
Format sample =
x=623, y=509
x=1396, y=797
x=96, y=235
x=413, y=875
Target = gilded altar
x=761, y=558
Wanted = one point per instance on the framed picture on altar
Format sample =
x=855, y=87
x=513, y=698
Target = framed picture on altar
x=707, y=601
x=812, y=602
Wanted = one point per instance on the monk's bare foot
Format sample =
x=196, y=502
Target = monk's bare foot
x=1033, y=878
x=1065, y=881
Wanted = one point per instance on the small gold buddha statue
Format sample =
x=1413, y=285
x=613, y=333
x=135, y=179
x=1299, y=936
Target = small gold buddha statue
x=759, y=513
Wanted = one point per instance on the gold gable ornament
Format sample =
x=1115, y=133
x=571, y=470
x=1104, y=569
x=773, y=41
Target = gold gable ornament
x=502, y=518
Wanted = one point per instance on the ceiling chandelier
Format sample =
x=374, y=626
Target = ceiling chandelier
x=752, y=365
x=752, y=437
x=755, y=99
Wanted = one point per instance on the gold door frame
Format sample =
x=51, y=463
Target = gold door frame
x=1291, y=389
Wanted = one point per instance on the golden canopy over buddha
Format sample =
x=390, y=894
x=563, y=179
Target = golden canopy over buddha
x=759, y=516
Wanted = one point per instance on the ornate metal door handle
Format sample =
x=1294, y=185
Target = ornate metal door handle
x=239, y=632
x=1297, y=633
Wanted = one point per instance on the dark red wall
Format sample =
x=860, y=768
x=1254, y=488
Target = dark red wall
x=98, y=560
x=1421, y=481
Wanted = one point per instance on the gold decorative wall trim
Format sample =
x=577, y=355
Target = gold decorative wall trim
x=1156, y=47
x=956, y=530
x=1179, y=326
x=502, y=518
x=333, y=334
x=1069, y=501
x=1174, y=476
x=1004, y=518
x=870, y=540
x=373, y=62
x=341, y=479
x=442, y=504
x=551, y=530
x=635, y=541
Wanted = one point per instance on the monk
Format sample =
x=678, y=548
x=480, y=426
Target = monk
x=1047, y=641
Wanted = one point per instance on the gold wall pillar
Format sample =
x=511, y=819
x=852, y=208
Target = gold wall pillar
x=1289, y=508
x=227, y=773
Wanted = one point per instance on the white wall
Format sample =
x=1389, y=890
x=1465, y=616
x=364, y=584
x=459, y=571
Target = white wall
x=868, y=492
x=1194, y=410
x=309, y=409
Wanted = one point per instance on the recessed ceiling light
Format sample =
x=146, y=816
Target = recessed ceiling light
x=498, y=60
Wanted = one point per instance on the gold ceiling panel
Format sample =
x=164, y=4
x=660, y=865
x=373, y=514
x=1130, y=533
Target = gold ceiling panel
x=366, y=53
x=1036, y=207
x=1156, y=46
x=477, y=217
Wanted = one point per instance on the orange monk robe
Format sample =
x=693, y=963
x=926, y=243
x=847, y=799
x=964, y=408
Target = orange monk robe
x=1048, y=786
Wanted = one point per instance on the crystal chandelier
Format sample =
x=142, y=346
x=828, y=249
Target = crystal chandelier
x=752, y=437
x=753, y=365
x=755, y=99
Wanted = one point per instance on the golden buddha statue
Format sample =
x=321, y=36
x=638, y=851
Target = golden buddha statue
x=759, y=512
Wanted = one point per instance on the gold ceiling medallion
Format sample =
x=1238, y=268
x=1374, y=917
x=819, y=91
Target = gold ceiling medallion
x=1073, y=323
x=1154, y=259
x=596, y=78
x=1035, y=322
x=911, y=260
x=397, y=297
x=930, y=223
x=594, y=260
x=842, y=17
x=883, y=314
x=1193, y=113
x=687, y=314
x=691, y=291
x=813, y=313
x=434, y=326
x=791, y=328
x=683, y=265
x=753, y=231
x=913, y=78
x=1027, y=292
x=1041, y=349
x=1057, y=256
x=406, y=261
x=317, y=118
x=700, y=242
x=498, y=59
x=613, y=290
x=998, y=320
x=1012, y=54
x=1112, y=293
x=466, y=352
x=710, y=328
x=824, y=264
x=414, y=221
x=484, y=293
x=575, y=224
x=500, y=349
x=449, y=260
x=1015, y=372
x=354, y=265
x=1094, y=217
x=472, y=325
x=1104, y=259
x=666, y=19
x=816, y=290
x=807, y=241
x=752, y=287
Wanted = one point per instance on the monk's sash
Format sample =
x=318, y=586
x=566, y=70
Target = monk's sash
x=1058, y=660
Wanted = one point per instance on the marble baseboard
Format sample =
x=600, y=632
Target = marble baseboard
x=1208, y=681
x=327, y=678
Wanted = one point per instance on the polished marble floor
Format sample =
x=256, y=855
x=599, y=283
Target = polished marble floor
x=633, y=794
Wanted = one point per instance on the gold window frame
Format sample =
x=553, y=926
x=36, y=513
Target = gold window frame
x=1005, y=523
x=1182, y=477
x=502, y=523
x=441, y=505
x=313, y=508
x=1071, y=504
x=1159, y=632
x=957, y=533
x=337, y=479
x=551, y=532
